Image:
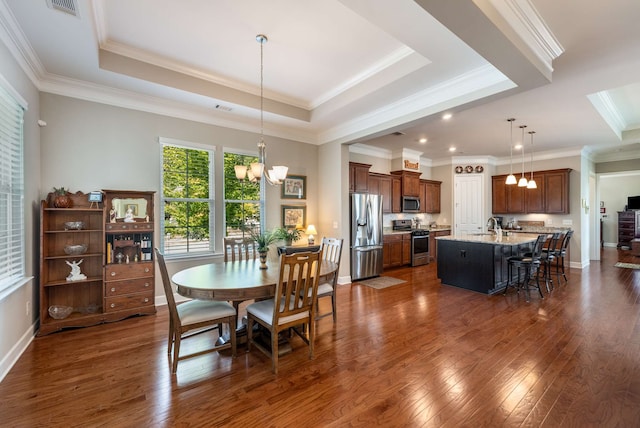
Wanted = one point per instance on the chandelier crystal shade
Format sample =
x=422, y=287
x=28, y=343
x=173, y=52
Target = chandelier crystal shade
x=276, y=174
x=511, y=179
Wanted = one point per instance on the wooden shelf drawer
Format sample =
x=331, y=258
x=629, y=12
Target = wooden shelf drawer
x=129, y=301
x=115, y=272
x=128, y=286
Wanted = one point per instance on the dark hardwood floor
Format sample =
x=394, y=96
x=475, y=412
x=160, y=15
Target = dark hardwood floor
x=416, y=354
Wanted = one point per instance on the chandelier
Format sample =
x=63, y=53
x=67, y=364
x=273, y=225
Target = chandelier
x=511, y=179
x=256, y=170
x=531, y=184
x=523, y=180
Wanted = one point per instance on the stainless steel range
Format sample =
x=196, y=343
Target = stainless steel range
x=419, y=241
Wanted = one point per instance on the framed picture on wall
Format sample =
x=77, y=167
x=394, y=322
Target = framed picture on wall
x=294, y=216
x=294, y=187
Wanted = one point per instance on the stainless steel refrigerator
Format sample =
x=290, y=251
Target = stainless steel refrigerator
x=366, y=236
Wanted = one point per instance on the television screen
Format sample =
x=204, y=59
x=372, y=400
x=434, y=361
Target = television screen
x=633, y=203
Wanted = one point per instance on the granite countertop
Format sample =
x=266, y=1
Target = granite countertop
x=539, y=229
x=486, y=238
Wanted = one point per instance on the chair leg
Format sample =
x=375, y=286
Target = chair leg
x=274, y=351
x=232, y=333
x=176, y=351
x=171, y=336
x=333, y=305
x=312, y=335
x=249, y=332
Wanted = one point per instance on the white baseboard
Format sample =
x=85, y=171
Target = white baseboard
x=16, y=351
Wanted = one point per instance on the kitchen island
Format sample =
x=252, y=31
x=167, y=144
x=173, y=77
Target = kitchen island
x=478, y=261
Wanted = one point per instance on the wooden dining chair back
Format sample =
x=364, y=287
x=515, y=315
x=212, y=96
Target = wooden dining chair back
x=292, y=307
x=238, y=249
x=200, y=315
x=331, y=251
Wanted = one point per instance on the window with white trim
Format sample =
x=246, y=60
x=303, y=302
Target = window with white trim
x=243, y=199
x=187, y=199
x=12, y=252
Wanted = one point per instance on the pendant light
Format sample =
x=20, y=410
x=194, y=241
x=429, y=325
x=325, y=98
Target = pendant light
x=511, y=179
x=532, y=183
x=277, y=174
x=523, y=180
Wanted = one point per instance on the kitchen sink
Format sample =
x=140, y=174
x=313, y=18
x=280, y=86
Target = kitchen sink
x=483, y=234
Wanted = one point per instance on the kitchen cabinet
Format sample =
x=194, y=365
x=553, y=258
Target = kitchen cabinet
x=410, y=182
x=358, y=177
x=396, y=194
x=478, y=266
x=406, y=249
x=506, y=199
x=628, y=227
x=551, y=196
x=392, y=250
x=430, y=196
x=380, y=184
x=433, y=242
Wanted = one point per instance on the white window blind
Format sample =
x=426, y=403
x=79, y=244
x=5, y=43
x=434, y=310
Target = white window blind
x=11, y=191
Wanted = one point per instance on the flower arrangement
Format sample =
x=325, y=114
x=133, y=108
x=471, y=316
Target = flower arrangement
x=61, y=198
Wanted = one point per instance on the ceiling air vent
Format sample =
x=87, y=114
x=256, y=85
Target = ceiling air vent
x=222, y=108
x=66, y=6
x=397, y=133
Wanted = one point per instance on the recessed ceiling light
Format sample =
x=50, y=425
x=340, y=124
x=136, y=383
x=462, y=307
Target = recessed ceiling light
x=452, y=149
x=422, y=140
x=446, y=116
x=517, y=146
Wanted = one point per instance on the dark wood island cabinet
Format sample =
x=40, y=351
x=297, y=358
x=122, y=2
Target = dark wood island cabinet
x=479, y=262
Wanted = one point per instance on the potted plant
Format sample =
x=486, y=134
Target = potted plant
x=263, y=240
x=61, y=198
x=289, y=234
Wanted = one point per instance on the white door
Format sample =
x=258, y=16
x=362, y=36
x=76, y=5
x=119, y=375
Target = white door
x=468, y=194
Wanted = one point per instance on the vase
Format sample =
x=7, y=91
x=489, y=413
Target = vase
x=288, y=242
x=62, y=201
x=263, y=259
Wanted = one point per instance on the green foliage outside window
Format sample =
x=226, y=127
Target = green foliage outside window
x=242, y=197
x=187, y=201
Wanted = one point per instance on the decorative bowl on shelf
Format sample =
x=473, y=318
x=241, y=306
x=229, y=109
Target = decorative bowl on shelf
x=74, y=250
x=74, y=225
x=60, y=312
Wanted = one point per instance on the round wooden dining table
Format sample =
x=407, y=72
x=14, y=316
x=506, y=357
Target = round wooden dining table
x=234, y=281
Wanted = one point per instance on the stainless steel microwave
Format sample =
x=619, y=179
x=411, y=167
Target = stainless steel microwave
x=410, y=204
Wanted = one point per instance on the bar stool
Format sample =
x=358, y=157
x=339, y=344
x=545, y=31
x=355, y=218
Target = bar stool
x=548, y=255
x=561, y=253
x=531, y=265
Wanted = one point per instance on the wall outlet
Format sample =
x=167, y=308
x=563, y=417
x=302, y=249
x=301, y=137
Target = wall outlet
x=335, y=224
x=567, y=222
x=548, y=222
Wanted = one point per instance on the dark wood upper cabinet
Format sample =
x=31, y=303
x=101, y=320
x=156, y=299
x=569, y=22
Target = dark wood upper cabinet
x=359, y=177
x=410, y=182
x=431, y=196
x=551, y=196
x=380, y=184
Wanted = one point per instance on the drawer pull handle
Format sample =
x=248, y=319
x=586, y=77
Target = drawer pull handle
x=113, y=289
x=146, y=300
x=113, y=274
x=146, y=270
x=146, y=284
x=113, y=305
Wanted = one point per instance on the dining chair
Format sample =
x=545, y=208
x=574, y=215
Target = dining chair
x=239, y=248
x=331, y=251
x=293, y=304
x=201, y=315
x=530, y=263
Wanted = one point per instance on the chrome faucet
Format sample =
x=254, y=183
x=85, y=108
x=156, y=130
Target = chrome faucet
x=496, y=227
